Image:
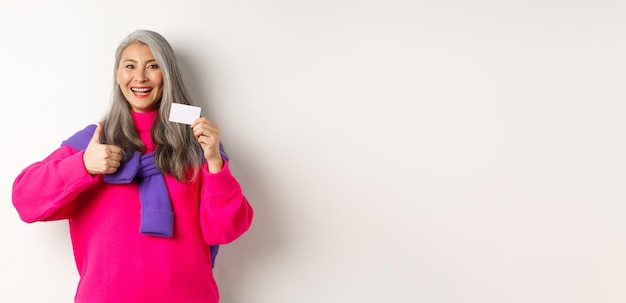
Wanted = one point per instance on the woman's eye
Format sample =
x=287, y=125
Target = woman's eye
x=130, y=66
x=153, y=66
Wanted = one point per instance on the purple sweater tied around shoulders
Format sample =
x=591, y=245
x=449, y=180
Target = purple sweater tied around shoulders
x=157, y=217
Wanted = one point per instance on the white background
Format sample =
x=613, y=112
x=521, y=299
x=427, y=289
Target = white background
x=394, y=151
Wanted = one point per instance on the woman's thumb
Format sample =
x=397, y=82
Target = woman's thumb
x=97, y=133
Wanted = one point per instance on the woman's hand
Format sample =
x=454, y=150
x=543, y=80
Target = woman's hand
x=208, y=135
x=101, y=158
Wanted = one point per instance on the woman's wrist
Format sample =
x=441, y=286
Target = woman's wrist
x=215, y=165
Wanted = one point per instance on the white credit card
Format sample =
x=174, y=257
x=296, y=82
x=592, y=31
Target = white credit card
x=185, y=114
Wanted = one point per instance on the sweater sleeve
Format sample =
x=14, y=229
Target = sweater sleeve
x=47, y=190
x=225, y=213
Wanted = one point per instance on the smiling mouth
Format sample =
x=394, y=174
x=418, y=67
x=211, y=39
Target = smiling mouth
x=141, y=92
x=141, y=89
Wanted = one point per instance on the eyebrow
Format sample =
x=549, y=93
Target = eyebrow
x=133, y=60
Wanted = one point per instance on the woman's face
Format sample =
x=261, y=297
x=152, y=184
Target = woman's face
x=140, y=78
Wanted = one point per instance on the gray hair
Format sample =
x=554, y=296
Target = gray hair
x=177, y=148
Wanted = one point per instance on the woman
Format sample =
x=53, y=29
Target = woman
x=146, y=198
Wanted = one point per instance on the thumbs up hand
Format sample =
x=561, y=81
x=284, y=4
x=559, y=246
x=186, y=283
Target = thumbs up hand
x=101, y=158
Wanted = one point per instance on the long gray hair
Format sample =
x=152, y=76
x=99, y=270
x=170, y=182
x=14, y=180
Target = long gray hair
x=177, y=148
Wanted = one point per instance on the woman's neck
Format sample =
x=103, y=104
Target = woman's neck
x=143, y=123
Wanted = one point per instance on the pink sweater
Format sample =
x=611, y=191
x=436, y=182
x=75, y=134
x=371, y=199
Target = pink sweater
x=115, y=261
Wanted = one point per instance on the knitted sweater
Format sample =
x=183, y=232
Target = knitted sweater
x=115, y=261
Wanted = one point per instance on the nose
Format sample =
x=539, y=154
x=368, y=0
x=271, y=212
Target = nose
x=140, y=75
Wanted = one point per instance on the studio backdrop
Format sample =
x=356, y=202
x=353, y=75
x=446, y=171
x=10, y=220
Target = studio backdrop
x=393, y=151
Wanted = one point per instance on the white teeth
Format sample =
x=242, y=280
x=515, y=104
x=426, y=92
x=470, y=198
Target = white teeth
x=140, y=89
